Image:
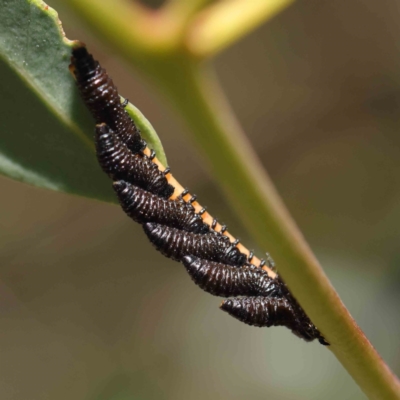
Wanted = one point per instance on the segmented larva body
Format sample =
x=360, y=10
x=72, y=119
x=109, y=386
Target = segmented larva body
x=143, y=206
x=271, y=311
x=120, y=163
x=225, y=280
x=101, y=97
x=176, y=244
x=181, y=229
x=261, y=311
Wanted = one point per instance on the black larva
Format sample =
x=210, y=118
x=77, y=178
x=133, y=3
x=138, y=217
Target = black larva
x=261, y=311
x=143, y=206
x=272, y=311
x=101, y=98
x=119, y=163
x=173, y=226
x=176, y=244
x=225, y=280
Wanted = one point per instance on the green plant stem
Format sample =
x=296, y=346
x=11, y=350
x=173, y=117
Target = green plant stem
x=255, y=199
x=196, y=94
x=223, y=23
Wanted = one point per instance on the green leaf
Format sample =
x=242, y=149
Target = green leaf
x=147, y=131
x=46, y=133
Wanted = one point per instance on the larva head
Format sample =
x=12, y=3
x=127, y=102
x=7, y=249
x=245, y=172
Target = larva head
x=192, y=265
x=152, y=228
x=211, y=276
x=123, y=189
x=230, y=306
x=127, y=196
x=188, y=261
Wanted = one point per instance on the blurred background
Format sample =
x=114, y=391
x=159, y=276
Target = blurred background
x=89, y=310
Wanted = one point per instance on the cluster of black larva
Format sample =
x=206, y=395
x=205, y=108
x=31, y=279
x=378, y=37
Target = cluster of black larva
x=214, y=262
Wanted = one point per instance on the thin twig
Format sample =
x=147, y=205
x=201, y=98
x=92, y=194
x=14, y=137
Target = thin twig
x=196, y=94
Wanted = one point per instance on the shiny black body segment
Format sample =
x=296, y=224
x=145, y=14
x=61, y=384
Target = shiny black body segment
x=121, y=164
x=143, y=206
x=215, y=264
x=225, y=280
x=176, y=244
x=272, y=311
x=101, y=98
